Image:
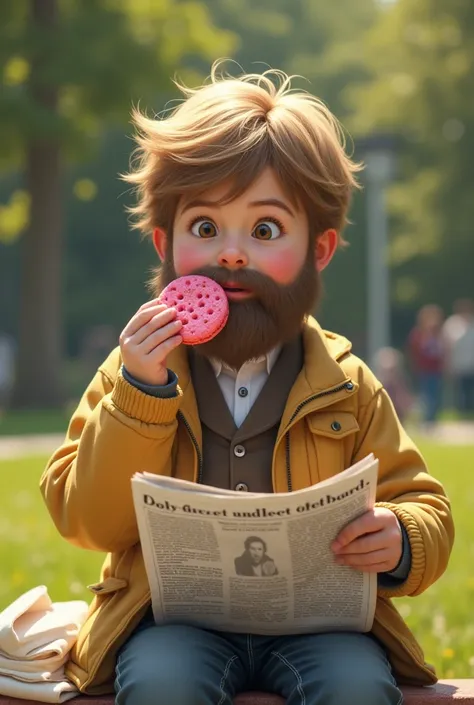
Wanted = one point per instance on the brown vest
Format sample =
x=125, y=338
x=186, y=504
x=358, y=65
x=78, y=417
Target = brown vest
x=241, y=458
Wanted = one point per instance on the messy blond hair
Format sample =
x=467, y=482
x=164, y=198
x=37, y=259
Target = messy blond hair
x=228, y=131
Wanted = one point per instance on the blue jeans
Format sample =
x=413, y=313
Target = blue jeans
x=184, y=665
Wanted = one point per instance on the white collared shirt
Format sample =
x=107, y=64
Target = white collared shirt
x=242, y=387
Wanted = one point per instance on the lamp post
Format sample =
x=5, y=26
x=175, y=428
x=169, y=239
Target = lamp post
x=378, y=155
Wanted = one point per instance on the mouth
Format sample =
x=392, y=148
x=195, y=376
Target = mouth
x=234, y=292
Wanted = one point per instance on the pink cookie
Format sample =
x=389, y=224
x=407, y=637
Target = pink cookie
x=201, y=305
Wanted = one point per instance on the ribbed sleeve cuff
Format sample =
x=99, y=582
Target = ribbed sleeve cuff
x=165, y=391
x=418, y=561
x=144, y=407
x=398, y=576
x=403, y=568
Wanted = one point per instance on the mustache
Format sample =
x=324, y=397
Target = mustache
x=258, y=283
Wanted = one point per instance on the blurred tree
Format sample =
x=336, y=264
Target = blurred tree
x=67, y=66
x=422, y=56
x=318, y=40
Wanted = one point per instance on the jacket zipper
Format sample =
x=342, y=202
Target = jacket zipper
x=347, y=385
x=195, y=444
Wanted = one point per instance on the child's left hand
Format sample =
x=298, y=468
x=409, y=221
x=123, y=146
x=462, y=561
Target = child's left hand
x=372, y=543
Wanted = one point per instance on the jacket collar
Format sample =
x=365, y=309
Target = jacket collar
x=322, y=352
x=321, y=371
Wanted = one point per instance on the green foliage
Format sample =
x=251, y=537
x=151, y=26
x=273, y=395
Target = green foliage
x=68, y=67
x=14, y=216
x=102, y=56
x=316, y=40
x=32, y=553
x=105, y=261
x=421, y=56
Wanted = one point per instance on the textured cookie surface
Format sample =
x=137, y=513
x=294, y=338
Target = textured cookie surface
x=201, y=306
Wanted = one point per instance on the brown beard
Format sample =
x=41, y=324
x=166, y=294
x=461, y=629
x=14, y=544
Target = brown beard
x=274, y=316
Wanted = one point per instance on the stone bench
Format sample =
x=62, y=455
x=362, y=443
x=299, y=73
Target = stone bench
x=455, y=691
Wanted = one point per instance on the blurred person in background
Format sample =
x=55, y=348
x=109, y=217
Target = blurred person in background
x=389, y=368
x=458, y=334
x=427, y=356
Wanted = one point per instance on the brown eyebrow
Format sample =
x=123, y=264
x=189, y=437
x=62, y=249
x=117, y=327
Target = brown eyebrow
x=254, y=204
x=273, y=202
x=199, y=204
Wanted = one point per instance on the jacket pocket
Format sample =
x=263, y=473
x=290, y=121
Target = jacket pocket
x=336, y=424
x=332, y=436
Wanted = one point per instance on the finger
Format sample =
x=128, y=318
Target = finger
x=160, y=320
x=147, y=304
x=162, y=350
x=141, y=317
x=365, y=544
x=142, y=324
x=376, y=568
x=358, y=560
x=365, y=524
x=159, y=336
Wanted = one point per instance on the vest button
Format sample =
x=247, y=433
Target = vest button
x=243, y=392
x=336, y=426
x=239, y=451
x=241, y=487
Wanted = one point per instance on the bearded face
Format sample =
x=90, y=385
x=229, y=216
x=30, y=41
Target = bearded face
x=273, y=313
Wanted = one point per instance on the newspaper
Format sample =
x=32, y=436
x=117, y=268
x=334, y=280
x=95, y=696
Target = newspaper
x=251, y=562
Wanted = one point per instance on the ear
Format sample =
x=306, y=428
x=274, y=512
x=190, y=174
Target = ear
x=324, y=248
x=160, y=242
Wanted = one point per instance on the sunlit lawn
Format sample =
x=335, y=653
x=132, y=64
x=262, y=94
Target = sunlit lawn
x=20, y=423
x=31, y=553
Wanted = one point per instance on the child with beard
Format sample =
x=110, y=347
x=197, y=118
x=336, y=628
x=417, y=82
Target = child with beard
x=246, y=182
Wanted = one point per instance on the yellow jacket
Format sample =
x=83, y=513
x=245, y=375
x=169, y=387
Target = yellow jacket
x=118, y=430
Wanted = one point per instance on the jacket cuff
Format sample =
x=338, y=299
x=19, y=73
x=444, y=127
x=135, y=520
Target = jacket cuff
x=164, y=391
x=144, y=407
x=417, y=551
x=397, y=576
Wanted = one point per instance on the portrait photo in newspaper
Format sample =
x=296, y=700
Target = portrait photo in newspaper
x=255, y=561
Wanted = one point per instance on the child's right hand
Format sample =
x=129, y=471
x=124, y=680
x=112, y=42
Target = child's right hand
x=147, y=339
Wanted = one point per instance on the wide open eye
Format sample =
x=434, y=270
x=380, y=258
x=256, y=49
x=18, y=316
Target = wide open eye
x=203, y=228
x=267, y=230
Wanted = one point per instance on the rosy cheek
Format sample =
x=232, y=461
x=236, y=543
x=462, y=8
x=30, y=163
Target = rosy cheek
x=188, y=257
x=282, y=267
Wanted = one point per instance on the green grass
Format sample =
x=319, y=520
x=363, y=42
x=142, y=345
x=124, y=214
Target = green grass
x=443, y=617
x=32, y=553
x=20, y=423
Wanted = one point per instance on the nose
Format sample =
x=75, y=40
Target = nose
x=233, y=257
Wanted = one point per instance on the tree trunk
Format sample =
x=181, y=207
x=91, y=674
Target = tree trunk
x=38, y=369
